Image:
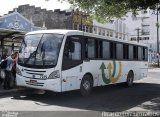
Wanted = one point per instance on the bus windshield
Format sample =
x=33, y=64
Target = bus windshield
x=40, y=50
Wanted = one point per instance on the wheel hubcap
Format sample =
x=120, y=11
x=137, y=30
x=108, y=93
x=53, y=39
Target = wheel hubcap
x=86, y=85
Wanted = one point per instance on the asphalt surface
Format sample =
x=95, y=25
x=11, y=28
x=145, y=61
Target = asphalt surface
x=143, y=96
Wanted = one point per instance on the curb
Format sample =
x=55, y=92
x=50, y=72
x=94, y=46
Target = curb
x=18, y=91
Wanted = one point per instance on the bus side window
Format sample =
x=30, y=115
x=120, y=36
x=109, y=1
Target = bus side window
x=145, y=54
x=66, y=50
x=140, y=57
x=130, y=52
x=90, y=48
x=125, y=51
x=135, y=52
x=72, y=50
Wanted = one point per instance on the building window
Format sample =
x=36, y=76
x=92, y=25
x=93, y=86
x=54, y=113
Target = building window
x=133, y=39
x=144, y=12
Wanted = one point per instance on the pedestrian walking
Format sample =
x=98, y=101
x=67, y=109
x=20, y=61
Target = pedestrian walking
x=8, y=70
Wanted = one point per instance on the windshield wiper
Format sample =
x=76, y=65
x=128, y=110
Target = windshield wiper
x=33, y=54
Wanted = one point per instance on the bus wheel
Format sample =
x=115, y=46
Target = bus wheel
x=86, y=85
x=130, y=78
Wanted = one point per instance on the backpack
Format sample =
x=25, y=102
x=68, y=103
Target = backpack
x=4, y=64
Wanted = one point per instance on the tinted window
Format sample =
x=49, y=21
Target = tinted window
x=135, y=52
x=130, y=52
x=106, y=50
x=145, y=54
x=111, y=50
x=125, y=51
x=119, y=51
x=91, y=48
x=139, y=53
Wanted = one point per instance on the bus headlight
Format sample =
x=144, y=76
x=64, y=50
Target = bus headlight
x=54, y=75
x=18, y=71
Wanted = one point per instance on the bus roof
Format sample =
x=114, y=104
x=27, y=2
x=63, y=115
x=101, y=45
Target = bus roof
x=113, y=39
x=59, y=31
x=70, y=32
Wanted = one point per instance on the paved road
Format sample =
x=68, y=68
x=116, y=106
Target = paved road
x=144, y=95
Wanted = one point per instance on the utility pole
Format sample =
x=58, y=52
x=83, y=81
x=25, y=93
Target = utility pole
x=157, y=35
x=138, y=31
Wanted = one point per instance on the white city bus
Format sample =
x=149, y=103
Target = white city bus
x=65, y=60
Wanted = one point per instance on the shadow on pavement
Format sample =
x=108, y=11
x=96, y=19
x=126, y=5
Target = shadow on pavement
x=152, y=105
x=108, y=98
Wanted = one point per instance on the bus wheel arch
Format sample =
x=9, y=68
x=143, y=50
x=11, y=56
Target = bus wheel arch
x=130, y=78
x=86, y=85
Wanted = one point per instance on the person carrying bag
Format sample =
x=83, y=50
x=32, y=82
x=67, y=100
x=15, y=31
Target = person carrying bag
x=8, y=63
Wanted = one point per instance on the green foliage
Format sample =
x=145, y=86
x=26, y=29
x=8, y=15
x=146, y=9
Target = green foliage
x=102, y=9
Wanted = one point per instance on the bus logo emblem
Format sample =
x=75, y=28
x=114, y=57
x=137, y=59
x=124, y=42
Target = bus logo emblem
x=33, y=76
x=111, y=75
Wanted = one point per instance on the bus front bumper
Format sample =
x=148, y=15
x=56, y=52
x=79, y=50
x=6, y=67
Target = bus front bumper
x=48, y=84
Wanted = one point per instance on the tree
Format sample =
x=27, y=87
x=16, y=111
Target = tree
x=108, y=9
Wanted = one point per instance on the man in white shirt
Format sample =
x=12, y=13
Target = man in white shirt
x=8, y=70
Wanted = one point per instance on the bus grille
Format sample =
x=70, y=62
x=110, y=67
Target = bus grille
x=34, y=84
x=34, y=74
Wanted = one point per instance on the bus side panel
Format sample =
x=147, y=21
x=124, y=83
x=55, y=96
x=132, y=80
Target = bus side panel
x=71, y=78
x=112, y=72
x=106, y=72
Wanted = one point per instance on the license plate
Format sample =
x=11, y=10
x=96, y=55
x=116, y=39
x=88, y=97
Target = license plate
x=33, y=81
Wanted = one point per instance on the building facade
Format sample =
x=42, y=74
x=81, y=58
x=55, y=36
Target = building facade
x=145, y=31
x=13, y=25
x=115, y=29
x=70, y=19
x=28, y=18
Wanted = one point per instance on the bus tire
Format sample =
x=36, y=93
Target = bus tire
x=86, y=85
x=130, y=78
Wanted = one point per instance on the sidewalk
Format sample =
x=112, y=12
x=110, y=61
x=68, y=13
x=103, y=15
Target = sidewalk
x=20, y=90
x=5, y=92
x=154, y=70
